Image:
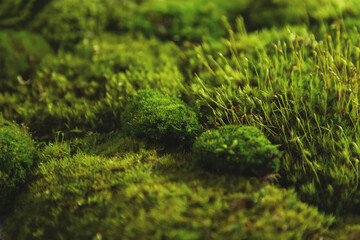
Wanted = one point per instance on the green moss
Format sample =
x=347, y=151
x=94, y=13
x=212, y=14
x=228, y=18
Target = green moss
x=179, y=20
x=262, y=13
x=236, y=149
x=17, y=155
x=276, y=88
x=157, y=196
x=16, y=14
x=21, y=53
x=64, y=23
x=160, y=118
x=87, y=90
x=175, y=20
x=108, y=144
x=298, y=84
x=275, y=12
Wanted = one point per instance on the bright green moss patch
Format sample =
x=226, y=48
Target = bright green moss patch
x=17, y=155
x=160, y=118
x=243, y=150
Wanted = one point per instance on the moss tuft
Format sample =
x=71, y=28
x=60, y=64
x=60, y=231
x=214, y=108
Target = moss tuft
x=156, y=117
x=237, y=149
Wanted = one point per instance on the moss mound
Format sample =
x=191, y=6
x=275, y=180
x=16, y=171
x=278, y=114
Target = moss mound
x=237, y=149
x=156, y=117
x=17, y=154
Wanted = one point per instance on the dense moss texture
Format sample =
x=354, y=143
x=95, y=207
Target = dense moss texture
x=126, y=194
x=160, y=118
x=72, y=69
x=17, y=155
x=86, y=90
x=243, y=150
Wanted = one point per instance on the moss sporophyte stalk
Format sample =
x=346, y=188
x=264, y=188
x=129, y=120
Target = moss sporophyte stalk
x=179, y=119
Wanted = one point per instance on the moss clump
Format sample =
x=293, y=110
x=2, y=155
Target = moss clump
x=21, y=51
x=160, y=118
x=17, y=154
x=237, y=149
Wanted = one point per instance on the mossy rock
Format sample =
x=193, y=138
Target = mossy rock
x=21, y=52
x=17, y=155
x=159, y=118
x=243, y=150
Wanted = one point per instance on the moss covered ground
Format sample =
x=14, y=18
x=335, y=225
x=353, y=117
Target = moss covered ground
x=179, y=119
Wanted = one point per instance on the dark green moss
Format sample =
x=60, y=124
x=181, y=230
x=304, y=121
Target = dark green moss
x=64, y=23
x=21, y=52
x=17, y=155
x=174, y=19
x=16, y=14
